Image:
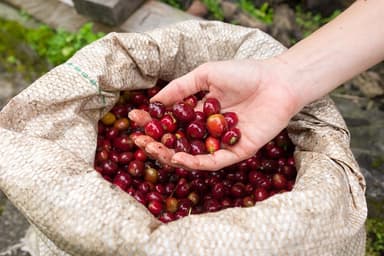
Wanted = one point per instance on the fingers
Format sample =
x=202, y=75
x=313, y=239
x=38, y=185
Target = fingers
x=207, y=162
x=155, y=149
x=140, y=117
x=184, y=86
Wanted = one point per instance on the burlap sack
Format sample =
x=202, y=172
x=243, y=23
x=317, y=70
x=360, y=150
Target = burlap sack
x=48, y=140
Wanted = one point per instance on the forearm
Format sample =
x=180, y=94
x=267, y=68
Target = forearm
x=343, y=48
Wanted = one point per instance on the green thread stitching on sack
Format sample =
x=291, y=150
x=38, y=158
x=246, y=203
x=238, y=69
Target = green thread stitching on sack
x=93, y=82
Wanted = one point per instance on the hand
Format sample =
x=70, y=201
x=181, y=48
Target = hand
x=252, y=89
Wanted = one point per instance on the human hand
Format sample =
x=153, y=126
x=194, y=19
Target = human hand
x=253, y=89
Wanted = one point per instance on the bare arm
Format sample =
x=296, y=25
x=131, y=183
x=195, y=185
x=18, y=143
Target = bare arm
x=341, y=49
x=282, y=85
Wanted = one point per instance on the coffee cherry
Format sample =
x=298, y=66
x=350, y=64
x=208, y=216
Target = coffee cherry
x=145, y=187
x=125, y=157
x=182, y=190
x=138, y=98
x=155, y=207
x=169, y=140
x=260, y=194
x=102, y=155
x=160, y=188
x=111, y=133
x=120, y=111
x=156, y=109
x=123, y=143
x=275, y=152
x=150, y=175
x=114, y=156
x=109, y=168
x=288, y=171
x=248, y=201
x=182, y=173
x=200, y=116
x=140, y=196
x=154, y=195
x=122, y=180
x=121, y=124
x=182, y=145
x=197, y=147
x=196, y=130
x=171, y=204
x=218, y=190
x=168, y=123
x=279, y=181
x=183, y=112
x=231, y=119
x=136, y=168
x=153, y=91
x=216, y=125
x=166, y=217
x=170, y=188
x=139, y=154
x=231, y=137
x=237, y=190
x=226, y=203
x=212, y=205
x=212, y=144
x=108, y=119
x=211, y=106
x=154, y=129
x=255, y=177
x=194, y=198
x=191, y=100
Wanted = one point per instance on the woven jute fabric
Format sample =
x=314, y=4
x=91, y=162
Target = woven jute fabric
x=48, y=139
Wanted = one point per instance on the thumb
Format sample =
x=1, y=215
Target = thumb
x=182, y=87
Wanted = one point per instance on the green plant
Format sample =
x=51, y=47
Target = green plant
x=214, y=9
x=174, y=3
x=59, y=45
x=309, y=21
x=264, y=13
x=375, y=237
x=15, y=54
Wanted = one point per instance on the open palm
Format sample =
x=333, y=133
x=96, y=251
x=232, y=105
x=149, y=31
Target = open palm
x=262, y=102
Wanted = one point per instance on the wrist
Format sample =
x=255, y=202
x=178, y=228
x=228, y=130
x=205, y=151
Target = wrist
x=277, y=72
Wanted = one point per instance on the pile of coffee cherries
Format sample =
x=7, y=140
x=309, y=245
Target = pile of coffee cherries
x=195, y=132
x=171, y=193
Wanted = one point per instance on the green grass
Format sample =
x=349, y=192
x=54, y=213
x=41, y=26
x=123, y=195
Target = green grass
x=59, y=45
x=309, y=21
x=264, y=13
x=49, y=46
x=375, y=237
x=174, y=3
x=214, y=9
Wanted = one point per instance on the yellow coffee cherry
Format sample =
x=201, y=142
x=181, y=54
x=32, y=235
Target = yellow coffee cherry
x=108, y=119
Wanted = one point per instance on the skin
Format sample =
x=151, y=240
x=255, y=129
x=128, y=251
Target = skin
x=269, y=93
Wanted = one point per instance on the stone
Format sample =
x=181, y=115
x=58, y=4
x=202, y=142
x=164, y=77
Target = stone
x=246, y=20
x=229, y=9
x=110, y=12
x=366, y=125
x=284, y=27
x=154, y=14
x=370, y=84
x=57, y=14
x=197, y=8
x=13, y=227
